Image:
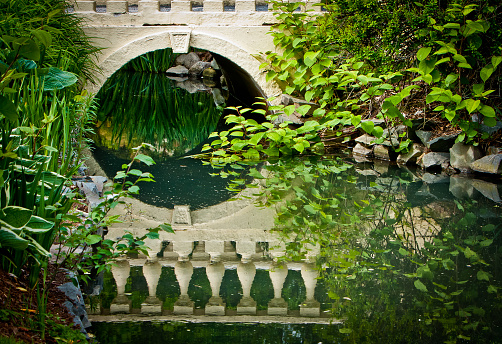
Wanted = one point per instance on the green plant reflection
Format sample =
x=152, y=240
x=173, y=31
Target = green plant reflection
x=144, y=107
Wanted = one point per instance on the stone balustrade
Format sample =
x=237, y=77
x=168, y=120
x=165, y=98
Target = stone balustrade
x=246, y=257
x=178, y=12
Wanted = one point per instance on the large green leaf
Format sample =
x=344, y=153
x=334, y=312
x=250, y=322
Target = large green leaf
x=15, y=216
x=38, y=225
x=10, y=239
x=8, y=109
x=56, y=79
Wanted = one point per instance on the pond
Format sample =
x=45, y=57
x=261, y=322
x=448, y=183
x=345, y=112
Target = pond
x=312, y=250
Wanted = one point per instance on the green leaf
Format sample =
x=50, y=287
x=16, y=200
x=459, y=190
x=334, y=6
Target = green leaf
x=15, y=216
x=483, y=276
x=10, y=239
x=166, y=227
x=133, y=189
x=403, y=252
x=144, y=159
x=56, y=79
x=8, y=109
x=255, y=174
x=345, y=330
x=471, y=105
x=310, y=58
x=496, y=60
x=486, y=72
x=367, y=126
x=38, y=225
x=28, y=48
x=487, y=111
x=92, y=239
x=152, y=235
x=378, y=131
x=420, y=286
x=426, y=66
x=355, y=120
x=423, y=53
x=43, y=36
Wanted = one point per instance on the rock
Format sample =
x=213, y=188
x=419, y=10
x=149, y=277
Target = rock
x=411, y=156
x=177, y=70
x=461, y=187
x=192, y=86
x=223, y=81
x=214, y=65
x=491, y=130
x=82, y=170
x=462, y=155
x=209, y=83
x=442, y=143
x=488, y=164
x=430, y=178
x=382, y=152
x=493, y=150
x=376, y=122
x=424, y=136
x=218, y=98
x=198, y=68
x=99, y=181
x=436, y=159
x=489, y=190
x=381, y=167
x=366, y=140
x=368, y=172
x=210, y=73
x=362, y=151
x=187, y=60
x=75, y=305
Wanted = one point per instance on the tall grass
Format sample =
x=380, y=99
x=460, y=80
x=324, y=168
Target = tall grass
x=139, y=107
x=157, y=61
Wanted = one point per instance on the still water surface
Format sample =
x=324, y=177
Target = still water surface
x=401, y=256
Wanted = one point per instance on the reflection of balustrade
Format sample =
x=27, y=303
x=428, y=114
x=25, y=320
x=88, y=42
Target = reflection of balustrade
x=183, y=264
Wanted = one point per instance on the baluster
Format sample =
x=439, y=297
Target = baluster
x=278, y=273
x=246, y=249
x=215, y=249
x=245, y=6
x=246, y=272
x=121, y=271
x=310, y=307
x=183, y=249
x=213, y=6
x=183, y=271
x=85, y=6
x=215, y=305
x=152, y=271
x=116, y=6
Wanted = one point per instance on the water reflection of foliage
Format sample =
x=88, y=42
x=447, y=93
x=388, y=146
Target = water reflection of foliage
x=141, y=107
x=396, y=272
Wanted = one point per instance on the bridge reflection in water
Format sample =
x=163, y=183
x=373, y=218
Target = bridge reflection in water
x=222, y=239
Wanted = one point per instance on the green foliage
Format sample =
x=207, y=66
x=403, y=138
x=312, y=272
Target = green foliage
x=52, y=37
x=170, y=119
x=157, y=61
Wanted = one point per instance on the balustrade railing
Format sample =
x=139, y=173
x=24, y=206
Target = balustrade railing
x=138, y=8
x=216, y=259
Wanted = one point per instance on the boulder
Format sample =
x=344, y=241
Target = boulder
x=442, y=143
x=198, y=68
x=493, y=150
x=366, y=140
x=192, y=86
x=462, y=156
x=430, y=178
x=187, y=60
x=210, y=73
x=412, y=155
x=382, y=152
x=436, y=159
x=461, y=187
x=214, y=65
x=424, y=136
x=177, y=70
x=488, y=164
x=218, y=98
x=362, y=151
x=487, y=189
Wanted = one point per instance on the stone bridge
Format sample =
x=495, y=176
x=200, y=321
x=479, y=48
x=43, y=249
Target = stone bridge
x=234, y=29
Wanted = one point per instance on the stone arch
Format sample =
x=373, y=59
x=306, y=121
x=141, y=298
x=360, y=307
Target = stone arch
x=119, y=49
